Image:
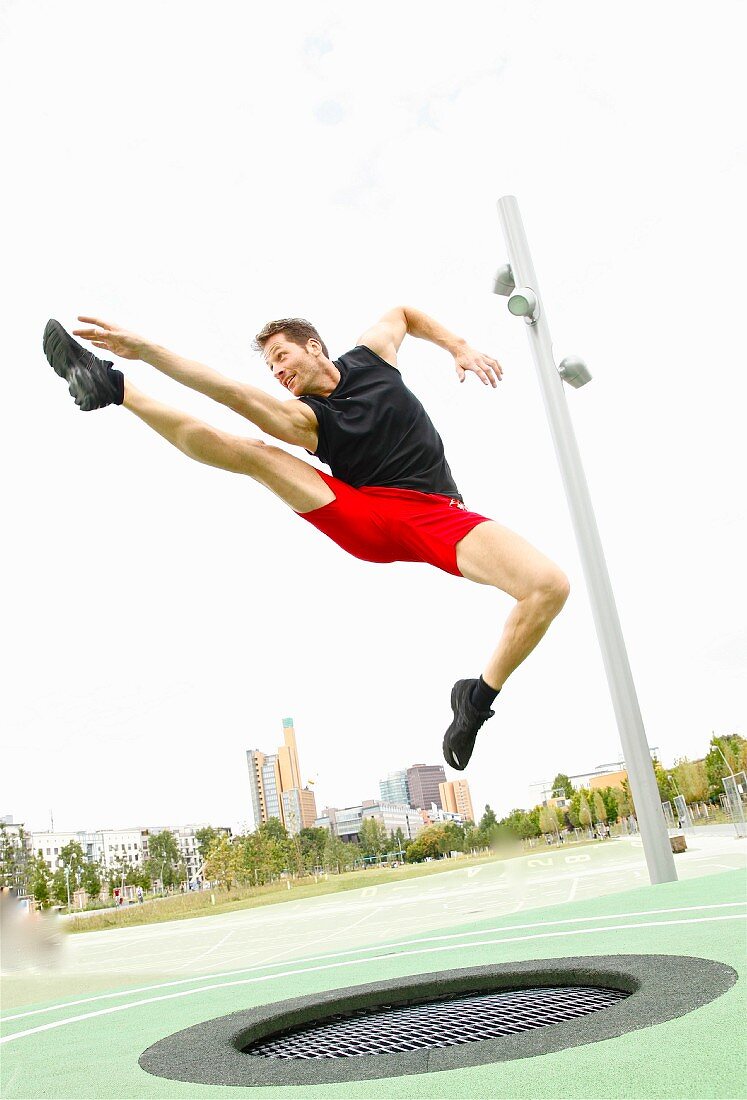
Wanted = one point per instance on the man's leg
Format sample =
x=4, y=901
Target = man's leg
x=290, y=478
x=491, y=554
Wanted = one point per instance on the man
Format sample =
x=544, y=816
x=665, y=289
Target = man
x=391, y=496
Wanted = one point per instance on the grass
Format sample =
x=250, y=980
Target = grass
x=200, y=904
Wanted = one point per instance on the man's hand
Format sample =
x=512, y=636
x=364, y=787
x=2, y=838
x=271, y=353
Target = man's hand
x=112, y=338
x=487, y=369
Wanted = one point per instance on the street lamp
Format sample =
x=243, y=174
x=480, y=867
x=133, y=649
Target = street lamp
x=524, y=300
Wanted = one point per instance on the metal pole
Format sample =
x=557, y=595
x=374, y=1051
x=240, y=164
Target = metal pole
x=526, y=301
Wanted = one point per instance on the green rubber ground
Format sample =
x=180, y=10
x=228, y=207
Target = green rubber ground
x=53, y=1047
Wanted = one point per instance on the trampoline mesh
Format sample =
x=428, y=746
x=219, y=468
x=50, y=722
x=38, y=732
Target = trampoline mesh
x=392, y=1029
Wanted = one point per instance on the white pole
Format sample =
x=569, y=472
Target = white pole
x=526, y=302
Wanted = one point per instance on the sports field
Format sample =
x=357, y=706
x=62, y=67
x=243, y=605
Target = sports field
x=78, y=1031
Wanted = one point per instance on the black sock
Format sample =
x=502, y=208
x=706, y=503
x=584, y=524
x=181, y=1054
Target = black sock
x=483, y=695
x=117, y=378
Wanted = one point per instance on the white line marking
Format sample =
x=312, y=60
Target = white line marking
x=573, y=889
x=377, y=947
x=357, y=962
x=209, y=951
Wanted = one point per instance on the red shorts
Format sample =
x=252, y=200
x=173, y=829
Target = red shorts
x=378, y=524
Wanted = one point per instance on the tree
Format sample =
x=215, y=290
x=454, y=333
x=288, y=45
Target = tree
x=426, y=845
x=453, y=837
x=90, y=879
x=71, y=856
x=611, y=805
x=372, y=837
x=561, y=782
x=204, y=837
x=521, y=824
x=164, y=858
x=692, y=779
x=120, y=869
x=663, y=782
x=312, y=841
x=584, y=813
x=40, y=879
x=265, y=853
x=13, y=857
x=338, y=856
x=548, y=819
x=627, y=805
x=62, y=886
x=398, y=841
x=726, y=754
x=222, y=861
x=600, y=810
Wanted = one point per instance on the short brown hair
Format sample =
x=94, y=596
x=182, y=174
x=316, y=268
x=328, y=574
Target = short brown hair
x=296, y=329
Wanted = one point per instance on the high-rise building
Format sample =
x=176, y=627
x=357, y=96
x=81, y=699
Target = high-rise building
x=275, y=782
x=394, y=788
x=423, y=782
x=455, y=798
x=299, y=809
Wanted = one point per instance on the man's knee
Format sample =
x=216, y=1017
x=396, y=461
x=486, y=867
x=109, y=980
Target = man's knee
x=207, y=444
x=552, y=591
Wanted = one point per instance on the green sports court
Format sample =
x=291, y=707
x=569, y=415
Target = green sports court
x=79, y=1030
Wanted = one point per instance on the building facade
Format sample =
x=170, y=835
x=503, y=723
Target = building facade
x=394, y=788
x=456, y=799
x=276, y=788
x=346, y=823
x=423, y=781
x=15, y=851
x=109, y=847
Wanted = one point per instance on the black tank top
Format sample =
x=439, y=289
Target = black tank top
x=374, y=431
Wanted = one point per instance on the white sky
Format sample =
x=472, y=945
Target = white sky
x=192, y=171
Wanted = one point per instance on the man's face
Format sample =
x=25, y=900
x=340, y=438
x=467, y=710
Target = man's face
x=294, y=367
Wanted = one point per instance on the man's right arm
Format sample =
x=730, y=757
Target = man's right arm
x=290, y=421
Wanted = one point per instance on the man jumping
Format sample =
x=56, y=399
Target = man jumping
x=390, y=497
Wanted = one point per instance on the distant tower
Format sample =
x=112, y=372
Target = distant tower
x=275, y=783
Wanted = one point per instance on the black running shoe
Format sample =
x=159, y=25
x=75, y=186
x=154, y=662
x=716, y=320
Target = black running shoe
x=92, y=382
x=459, y=740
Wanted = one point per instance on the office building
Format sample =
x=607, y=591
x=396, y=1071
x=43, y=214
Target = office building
x=455, y=798
x=423, y=781
x=394, y=788
x=346, y=823
x=299, y=809
x=275, y=784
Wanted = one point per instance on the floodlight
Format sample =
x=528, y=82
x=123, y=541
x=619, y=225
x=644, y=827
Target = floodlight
x=574, y=371
x=504, y=281
x=523, y=303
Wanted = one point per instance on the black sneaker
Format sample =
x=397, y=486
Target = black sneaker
x=459, y=740
x=92, y=382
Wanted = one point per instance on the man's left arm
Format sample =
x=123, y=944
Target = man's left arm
x=386, y=336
